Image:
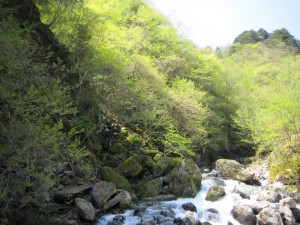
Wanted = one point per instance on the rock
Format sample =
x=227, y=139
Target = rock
x=70, y=222
x=160, y=198
x=217, y=182
x=147, y=220
x=102, y=192
x=119, y=218
x=212, y=215
x=245, y=175
x=296, y=213
x=185, y=179
x=258, y=206
x=244, y=214
x=85, y=210
x=244, y=190
x=287, y=215
x=269, y=196
x=188, y=218
x=214, y=193
x=131, y=167
x=269, y=216
x=227, y=169
x=116, y=148
x=164, y=165
x=123, y=197
x=291, y=203
x=70, y=193
x=213, y=173
x=149, y=188
x=110, y=175
x=206, y=223
x=189, y=206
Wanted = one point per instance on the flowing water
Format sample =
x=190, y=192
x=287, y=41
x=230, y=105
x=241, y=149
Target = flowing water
x=216, y=213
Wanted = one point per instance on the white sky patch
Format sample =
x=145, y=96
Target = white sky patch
x=204, y=22
x=219, y=22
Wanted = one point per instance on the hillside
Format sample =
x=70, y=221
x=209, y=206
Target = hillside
x=89, y=88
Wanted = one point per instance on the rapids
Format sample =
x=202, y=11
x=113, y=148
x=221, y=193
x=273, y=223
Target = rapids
x=216, y=213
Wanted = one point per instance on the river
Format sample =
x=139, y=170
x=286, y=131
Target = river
x=216, y=213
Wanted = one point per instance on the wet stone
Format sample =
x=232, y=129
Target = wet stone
x=189, y=206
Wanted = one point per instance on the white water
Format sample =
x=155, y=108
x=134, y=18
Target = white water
x=223, y=206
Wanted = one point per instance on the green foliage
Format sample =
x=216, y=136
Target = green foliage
x=35, y=118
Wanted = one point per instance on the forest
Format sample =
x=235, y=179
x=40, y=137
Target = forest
x=87, y=84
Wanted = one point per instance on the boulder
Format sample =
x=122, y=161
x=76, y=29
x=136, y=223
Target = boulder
x=217, y=181
x=185, y=179
x=245, y=175
x=214, y=193
x=160, y=198
x=164, y=165
x=243, y=190
x=244, y=214
x=269, y=196
x=296, y=213
x=289, y=202
x=227, y=169
x=123, y=198
x=189, y=206
x=110, y=175
x=71, y=192
x=85, y=210
x=149, y=188
x=287, y=215
x=131, y=167
x=258, y=206
x=102, y=192
x=269, y=216
x=188, y=218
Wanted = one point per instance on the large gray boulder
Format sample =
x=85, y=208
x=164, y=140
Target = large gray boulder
x=85, y=210
x=244, y=214
x=269, y=196
x=258, y=206
x=123, y=198
x=214, y=193
x=71, y=192
x=243, y=190
x=185, y=179
x=287, y=215
x=102, y=192
x=289, y=202
x=245, y=175
x=227, y=169
x=269, y=216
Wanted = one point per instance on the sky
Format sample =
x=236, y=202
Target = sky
x=218, y=22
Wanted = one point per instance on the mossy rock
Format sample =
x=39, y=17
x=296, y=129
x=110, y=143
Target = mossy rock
x=149, y=163
x=116, y=148
x=110, y=175
x=150, y=188
x=214, y=193
x=227, y=169
x=131, y=167
x=185, y=179
x=165, y=164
